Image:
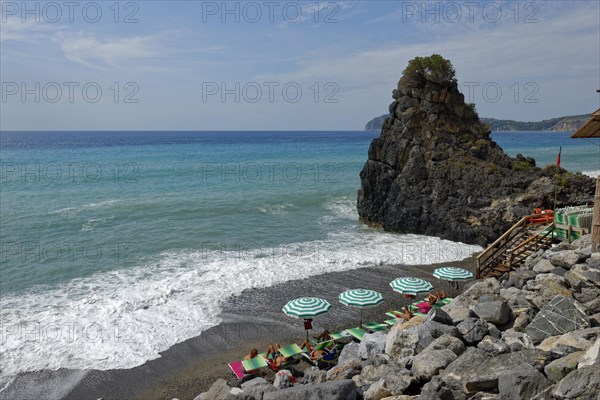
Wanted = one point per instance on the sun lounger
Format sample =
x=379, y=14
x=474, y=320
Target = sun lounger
x=254, y=363
x=357, y=333
x=238, y=369
x=340, y=335
x=324, y=345
x=393, y=321
x=375, y=327
x=290, y=350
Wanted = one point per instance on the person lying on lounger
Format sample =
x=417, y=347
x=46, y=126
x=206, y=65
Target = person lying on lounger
x=406, y=315
x=310, y=349
x=274, y=358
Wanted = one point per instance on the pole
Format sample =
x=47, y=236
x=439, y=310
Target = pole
x=556, y=179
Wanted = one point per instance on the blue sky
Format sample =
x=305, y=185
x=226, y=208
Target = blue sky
x=193, y=65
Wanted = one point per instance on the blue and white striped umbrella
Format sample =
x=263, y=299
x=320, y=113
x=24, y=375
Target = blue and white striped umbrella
x=306, y=307
x=452, y=274
x=410, y=286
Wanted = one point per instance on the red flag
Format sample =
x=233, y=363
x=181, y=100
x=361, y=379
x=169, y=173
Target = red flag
x=558, y=159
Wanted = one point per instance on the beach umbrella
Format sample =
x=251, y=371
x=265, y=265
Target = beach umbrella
x=360, y=298
x=410, y=286
x=452, y=274
x=306, y=308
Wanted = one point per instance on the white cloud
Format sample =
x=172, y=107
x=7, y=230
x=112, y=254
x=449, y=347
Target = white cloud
x=119, y=52
x=15, y=30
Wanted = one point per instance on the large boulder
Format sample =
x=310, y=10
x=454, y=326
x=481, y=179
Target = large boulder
x=428, y=363
x=336, y=390
x=561, y=367
x=496, y=312
x=220, y=390
x=546, y=287
x=397, y=379
x=344, y=371
x=580, y=384
x=401, y=342
x=431, y=330
x=436, y=389
x=493, y=346
x=447, y=342
x=439, y=315
x=434, y=170
x=473, y=330
x=314, y=375
x=377, y=391
x=522, y=382
x=560, y=316
x=565, y=259
x=579, y=340
x=372, y=344
x=591, y=357
x=349, y=352
x=475, y=370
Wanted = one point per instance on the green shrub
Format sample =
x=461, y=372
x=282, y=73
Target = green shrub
x=434, y=68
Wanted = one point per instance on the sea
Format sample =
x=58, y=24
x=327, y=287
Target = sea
x=117, y=245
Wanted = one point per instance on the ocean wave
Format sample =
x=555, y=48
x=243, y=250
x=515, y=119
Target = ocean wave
x=121, y=319
x=67, y=211
x=592, y=174
x=275, y=209
x=343, y=207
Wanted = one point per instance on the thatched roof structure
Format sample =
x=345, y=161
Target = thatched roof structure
x=590, y=129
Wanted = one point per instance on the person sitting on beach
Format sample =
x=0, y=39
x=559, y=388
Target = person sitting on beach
x=310, y=350
x=253, y=353
x=432, y=298
x=274, y=358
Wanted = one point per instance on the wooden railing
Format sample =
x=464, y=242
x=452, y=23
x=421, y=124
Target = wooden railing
x=510, y=247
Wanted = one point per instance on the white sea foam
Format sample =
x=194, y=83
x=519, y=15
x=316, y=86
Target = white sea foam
x=592, y=174
x=123, y=318
x=275, y=209
x=85, y=207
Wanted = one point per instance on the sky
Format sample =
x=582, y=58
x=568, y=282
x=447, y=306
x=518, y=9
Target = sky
x=284, y=65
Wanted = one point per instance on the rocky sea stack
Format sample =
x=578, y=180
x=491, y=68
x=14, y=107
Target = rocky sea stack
x=434, y=169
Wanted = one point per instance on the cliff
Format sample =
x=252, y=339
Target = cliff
x=434, y=169
x=569, y=123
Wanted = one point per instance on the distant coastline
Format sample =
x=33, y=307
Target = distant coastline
x=567, y=123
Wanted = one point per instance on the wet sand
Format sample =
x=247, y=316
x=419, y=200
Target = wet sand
x=253, y=319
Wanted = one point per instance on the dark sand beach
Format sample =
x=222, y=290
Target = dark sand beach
x=253, y=319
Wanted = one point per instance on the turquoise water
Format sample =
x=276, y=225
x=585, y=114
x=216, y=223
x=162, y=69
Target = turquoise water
x=117, y=245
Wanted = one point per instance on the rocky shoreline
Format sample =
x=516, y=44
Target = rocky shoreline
x=532, y=334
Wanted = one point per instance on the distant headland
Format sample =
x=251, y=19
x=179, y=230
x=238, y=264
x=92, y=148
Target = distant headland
x=568, y=123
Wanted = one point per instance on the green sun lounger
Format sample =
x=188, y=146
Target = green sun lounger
x=290, y=350
x=392, y=321
x=254, y=363
x=340, y=335
x=375, y=327
x=324, y=345
x=357, y=333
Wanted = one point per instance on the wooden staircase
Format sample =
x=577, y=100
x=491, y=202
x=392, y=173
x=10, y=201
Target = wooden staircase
x=509, y=251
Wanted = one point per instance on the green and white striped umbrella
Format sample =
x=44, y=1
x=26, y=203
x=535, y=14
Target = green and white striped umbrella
x=306, y=307
x=452, y=274
x=410, y=286
x=360, y=298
